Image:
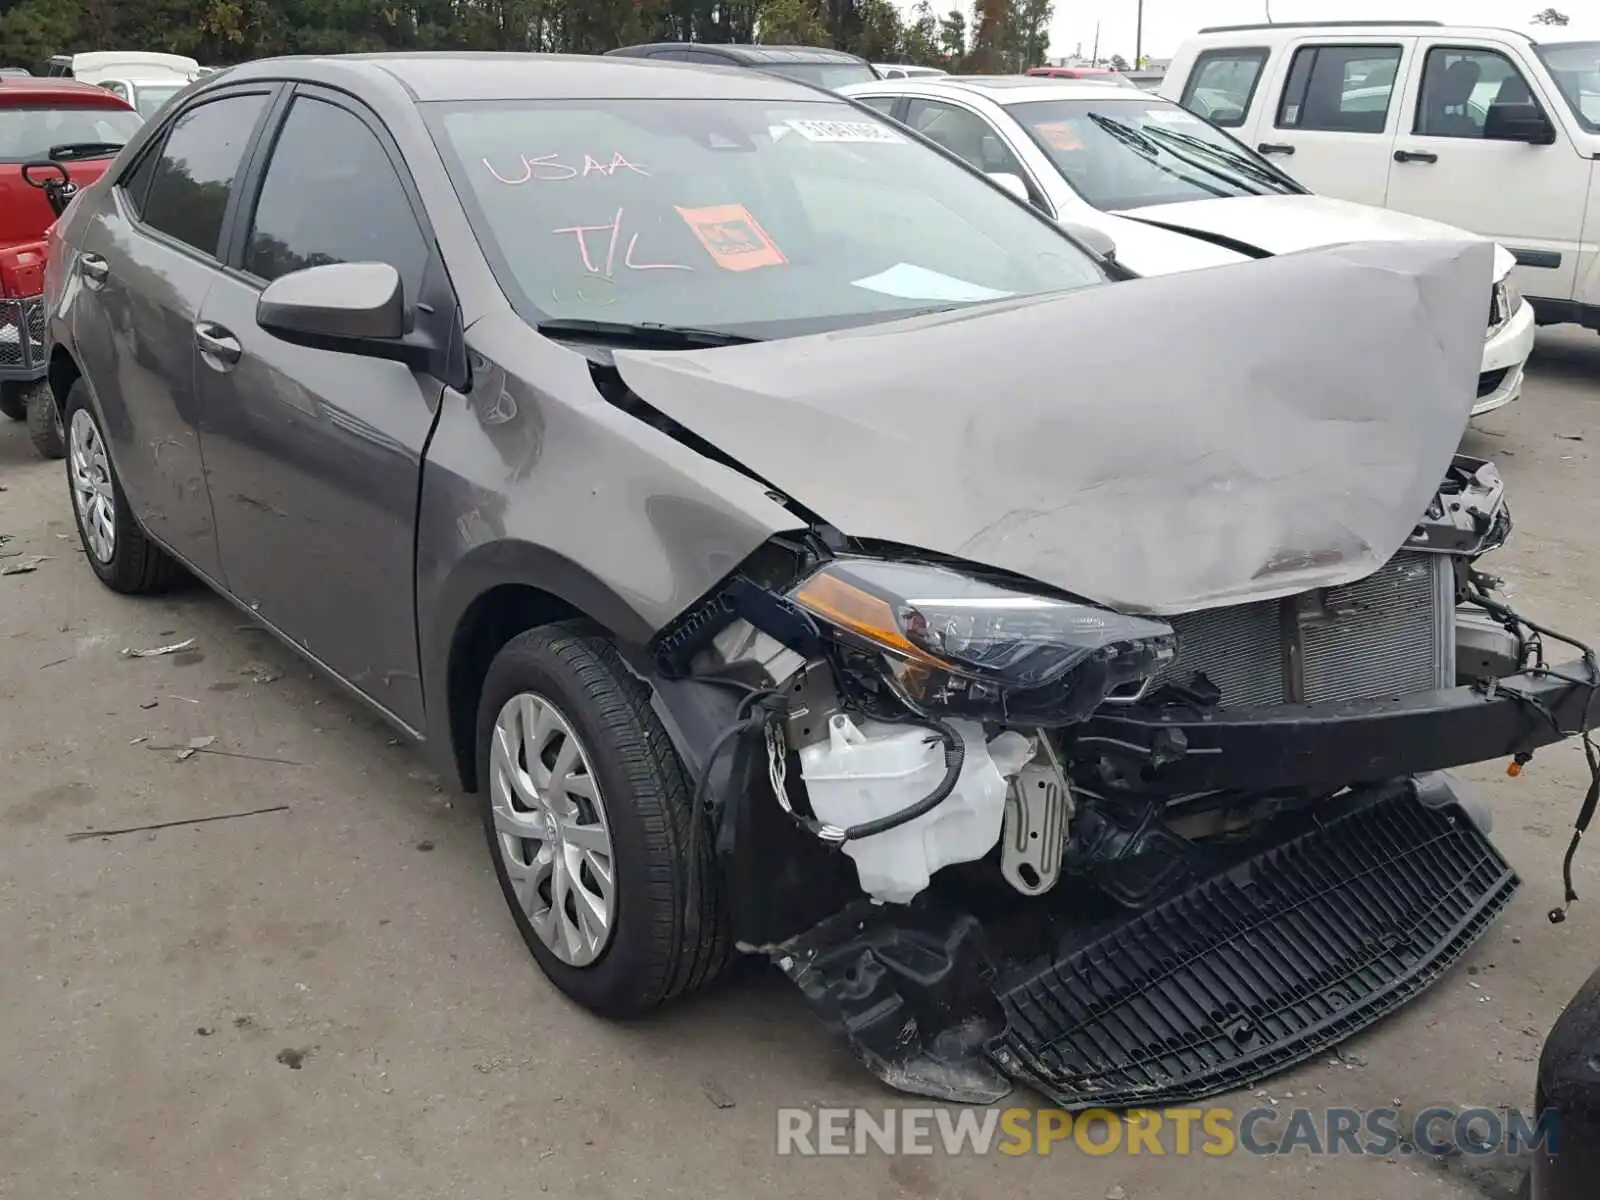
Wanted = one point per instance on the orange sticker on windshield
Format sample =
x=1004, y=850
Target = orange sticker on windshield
x=733, y=238
x=1059, y=135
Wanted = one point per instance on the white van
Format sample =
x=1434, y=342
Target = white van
x=145, y=79
x=1490, y=130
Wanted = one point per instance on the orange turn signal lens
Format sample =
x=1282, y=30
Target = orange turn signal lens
x=851, y=608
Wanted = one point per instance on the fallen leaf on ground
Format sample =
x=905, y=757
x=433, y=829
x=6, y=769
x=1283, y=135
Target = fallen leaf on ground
x=157, y=651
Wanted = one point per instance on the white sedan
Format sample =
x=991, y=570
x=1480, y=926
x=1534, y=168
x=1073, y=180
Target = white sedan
x=1173, y=192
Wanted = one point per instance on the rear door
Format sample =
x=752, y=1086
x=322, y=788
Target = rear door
x=1529, y=198
x=1331, y=112
x=148, y=257
x=314, y=457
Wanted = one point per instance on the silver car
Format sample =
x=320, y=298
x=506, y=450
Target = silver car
x=805, y=549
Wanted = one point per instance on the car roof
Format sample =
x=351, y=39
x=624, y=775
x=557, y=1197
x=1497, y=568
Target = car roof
x=21, y=91
x=95, y=60
x=472, y=75
x=1282, y=30
x=742, y=52
x=1005, y=89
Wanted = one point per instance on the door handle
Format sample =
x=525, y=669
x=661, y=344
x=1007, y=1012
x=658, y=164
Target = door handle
x=216, y=342
x=1274, y=148
x=94, y=269
x=1427, y=156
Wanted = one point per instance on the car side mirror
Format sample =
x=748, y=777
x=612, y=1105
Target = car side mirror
x=1518, y=123
x=357, y=308
x=1097, y=240
x=1012, y=182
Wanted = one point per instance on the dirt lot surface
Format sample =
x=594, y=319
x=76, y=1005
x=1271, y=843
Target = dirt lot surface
x=330, y=1000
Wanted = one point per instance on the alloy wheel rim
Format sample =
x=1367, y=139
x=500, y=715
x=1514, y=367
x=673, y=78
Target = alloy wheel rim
x=551, y=830
x=93, y=499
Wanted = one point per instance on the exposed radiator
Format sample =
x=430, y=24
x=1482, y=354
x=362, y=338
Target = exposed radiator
x=1389, y=634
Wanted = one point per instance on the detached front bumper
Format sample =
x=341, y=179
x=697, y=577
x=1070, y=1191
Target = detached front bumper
x=1178, y=752
x=23, y=355
x=1277, y=955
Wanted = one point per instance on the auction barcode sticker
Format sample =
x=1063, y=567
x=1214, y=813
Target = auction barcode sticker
x=843, y=131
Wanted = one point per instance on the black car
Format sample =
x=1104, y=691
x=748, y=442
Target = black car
x=818, y=65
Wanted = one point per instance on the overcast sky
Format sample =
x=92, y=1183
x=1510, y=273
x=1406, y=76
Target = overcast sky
x=1168, y=22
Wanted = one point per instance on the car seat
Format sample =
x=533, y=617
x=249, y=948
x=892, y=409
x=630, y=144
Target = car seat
x=1444, y=101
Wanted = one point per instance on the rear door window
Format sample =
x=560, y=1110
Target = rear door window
x=1340, y=89
x=1223, y=84
x=193, y=179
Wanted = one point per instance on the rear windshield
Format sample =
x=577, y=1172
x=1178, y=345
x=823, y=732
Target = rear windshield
x=1575, y=66
x=29, y=134
x=1130, y=150
x=767, y=219
x=822, y=74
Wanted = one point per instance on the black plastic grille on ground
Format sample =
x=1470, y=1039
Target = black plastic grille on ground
x=1260, y=968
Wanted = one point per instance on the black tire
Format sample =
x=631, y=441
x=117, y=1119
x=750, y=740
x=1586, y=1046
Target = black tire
x=657, y=951
x=45, y=430
x=137, y=565
x=14, y=400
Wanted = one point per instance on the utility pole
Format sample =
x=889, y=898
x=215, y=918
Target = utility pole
x=1138, y=37
x=1094, y=57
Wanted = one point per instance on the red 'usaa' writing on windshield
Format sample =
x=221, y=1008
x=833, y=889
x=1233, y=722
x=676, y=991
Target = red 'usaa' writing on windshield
x=548, y=168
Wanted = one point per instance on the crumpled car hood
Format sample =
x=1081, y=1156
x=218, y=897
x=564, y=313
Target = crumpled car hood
x=1281, y=224
x=1157, y=446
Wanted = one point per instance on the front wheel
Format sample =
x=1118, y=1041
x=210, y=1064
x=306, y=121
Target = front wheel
x=119, y=552
x=587, y=811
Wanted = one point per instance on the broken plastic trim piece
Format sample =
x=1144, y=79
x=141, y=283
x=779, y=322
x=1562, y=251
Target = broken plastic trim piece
x=908, y=989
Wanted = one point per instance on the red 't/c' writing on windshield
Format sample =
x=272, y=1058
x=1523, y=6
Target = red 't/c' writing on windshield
x=614, y=228
x=548, y=168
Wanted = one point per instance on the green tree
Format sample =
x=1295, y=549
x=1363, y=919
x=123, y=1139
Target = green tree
x=794, y=22
x=881, y=36
x=1118, y=63
x=920, y=41
x=1550, y=16
x=953, y=37
x=1031, y=39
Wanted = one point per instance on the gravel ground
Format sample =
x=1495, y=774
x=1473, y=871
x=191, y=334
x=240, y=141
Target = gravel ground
x=329, y=1000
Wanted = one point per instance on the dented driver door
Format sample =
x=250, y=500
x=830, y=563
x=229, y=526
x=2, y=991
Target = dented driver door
x=314, y=456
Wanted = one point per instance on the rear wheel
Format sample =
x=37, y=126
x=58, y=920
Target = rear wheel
x=587, y=809
x=117, y=549
x=45, y=430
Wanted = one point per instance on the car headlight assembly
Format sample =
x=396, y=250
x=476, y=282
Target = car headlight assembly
x=1506, y=302
x=953, y=644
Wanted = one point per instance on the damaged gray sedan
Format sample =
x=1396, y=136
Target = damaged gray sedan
x=805, y=550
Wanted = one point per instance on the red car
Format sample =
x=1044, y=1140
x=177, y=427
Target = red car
x=1093, y=74
x=55, y=130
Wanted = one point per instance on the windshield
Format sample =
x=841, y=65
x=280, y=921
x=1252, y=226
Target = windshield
x=150, y=97
x=1137, y=150
x=1575, y=66
x=765, y=219
x=823, y=74
x=27, y=134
